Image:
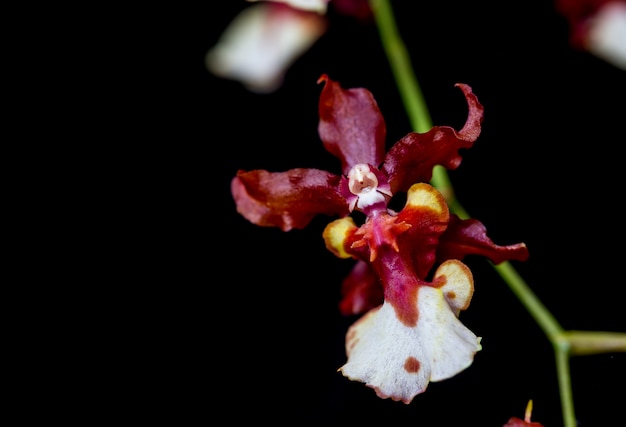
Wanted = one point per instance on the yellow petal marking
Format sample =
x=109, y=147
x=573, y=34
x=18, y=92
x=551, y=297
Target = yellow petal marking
x=422, y=194
x=335, y=234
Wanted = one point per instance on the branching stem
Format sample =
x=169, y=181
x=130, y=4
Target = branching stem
x=564, y=343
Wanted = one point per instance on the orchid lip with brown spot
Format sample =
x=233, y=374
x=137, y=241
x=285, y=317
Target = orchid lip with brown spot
x=409, y=333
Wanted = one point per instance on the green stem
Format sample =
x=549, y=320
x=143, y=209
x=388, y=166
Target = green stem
x=401, y=68
x=561, y=353
x=565, y=344
x=585, y=342
x=417, y=111
x=533, y=305
x=410, y=92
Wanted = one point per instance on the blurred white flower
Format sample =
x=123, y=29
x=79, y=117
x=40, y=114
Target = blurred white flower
x=265, y=39
x=598, y=27
x=607, y=34
x=318, y=6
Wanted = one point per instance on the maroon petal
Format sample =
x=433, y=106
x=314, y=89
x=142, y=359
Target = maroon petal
x=287, y=199
x=359, y=9
x=427, y=213
x=412, y=159
x=351, y=126
x=469, y=236
x=361, y=290
x=517, y=422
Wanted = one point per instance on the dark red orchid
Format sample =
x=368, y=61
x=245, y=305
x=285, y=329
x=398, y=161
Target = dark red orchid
x=518, y=422
x=410, y=334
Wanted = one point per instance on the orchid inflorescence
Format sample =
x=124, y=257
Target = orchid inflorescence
x=409, y=279
x=408, y=284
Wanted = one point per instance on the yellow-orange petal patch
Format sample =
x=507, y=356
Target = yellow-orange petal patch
x=335, y=235
x=425, y=195
x=458, y=287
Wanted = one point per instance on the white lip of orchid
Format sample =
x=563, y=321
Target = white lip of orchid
x=397, y=360
x=607, y=34
x=363, y=183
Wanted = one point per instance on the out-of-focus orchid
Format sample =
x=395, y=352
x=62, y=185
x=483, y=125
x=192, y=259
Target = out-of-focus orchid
x=265, y=39
x=598, y=27
x=319, y=6
x=410, y=334
x=262, y=42
x=517, y=422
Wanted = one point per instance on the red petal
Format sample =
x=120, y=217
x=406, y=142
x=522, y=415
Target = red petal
x=412, y=158
x=516, y=422
x=469, y=236
x=287, y=199
x=428, y=217
x=351, y=126
x=361, y=290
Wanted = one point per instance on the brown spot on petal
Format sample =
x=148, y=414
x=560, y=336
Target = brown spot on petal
x=439, y=281
x=450, y=295
x=411, y=365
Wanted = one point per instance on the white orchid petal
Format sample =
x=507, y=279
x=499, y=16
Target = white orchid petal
x=319, y=6
x=451, y=346
x=398, y=361
x=459, y=286
x=607, y=34
x=261, y=43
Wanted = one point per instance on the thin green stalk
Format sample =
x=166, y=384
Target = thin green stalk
x=401, y=68
x=533, y=305
x=561, y=353
x=551, y=329
x=411, y=92
x=564, y=343
x=420, y=120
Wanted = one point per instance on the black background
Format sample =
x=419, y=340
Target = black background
x=252, y=326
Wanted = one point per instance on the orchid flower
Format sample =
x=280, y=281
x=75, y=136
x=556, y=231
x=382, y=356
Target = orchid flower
x=408, y=277
x=517, y=422
x=598, y=27
x=265, y=39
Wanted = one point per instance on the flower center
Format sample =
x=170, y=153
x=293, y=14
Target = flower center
x=363, y=183
x=361, y=179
